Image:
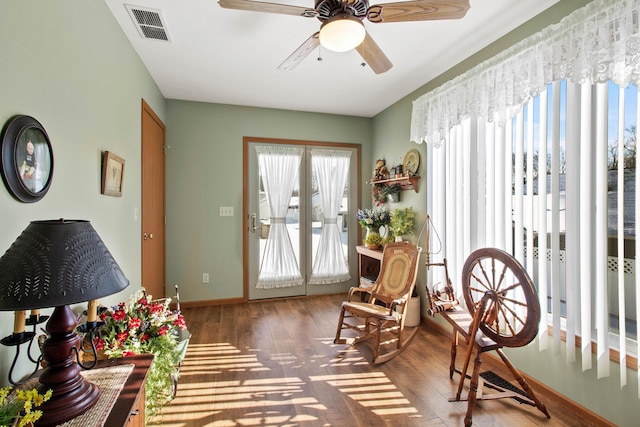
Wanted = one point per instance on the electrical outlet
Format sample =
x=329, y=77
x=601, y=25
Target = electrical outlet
x=226, y=210
x=205, y=277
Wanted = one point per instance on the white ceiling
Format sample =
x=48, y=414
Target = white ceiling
x=229, y=56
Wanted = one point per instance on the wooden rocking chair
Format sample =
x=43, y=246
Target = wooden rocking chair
x=503, y=311
x=380, y=311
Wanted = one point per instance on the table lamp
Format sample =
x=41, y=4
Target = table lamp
x=54, y=264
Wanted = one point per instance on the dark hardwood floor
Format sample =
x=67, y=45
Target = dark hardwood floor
x=273, y=363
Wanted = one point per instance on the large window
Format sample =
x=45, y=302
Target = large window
x=533, y=151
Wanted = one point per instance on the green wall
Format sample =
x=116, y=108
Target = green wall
x=83, y=81
x=68, y=64
x=204, y=172
x=603, y=396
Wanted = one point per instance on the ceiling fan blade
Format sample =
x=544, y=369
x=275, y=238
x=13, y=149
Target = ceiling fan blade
x=419, y=10
x=373, y=55
x=300, y=53
x=258, y=6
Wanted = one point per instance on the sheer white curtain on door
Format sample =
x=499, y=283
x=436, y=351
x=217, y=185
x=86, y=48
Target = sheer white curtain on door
x=331, y=168
x=279, y=168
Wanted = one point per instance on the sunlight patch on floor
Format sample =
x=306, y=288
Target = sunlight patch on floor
x=372, y=390
x=257, y=401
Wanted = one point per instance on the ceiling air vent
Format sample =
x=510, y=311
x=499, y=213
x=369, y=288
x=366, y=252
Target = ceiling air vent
x=148, y=22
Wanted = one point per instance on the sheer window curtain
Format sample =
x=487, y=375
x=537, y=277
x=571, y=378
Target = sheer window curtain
x=279, y=168
x=331, y=169
x=488, y=114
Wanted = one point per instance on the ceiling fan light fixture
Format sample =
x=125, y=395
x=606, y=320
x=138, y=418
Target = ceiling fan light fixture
x=342, y=33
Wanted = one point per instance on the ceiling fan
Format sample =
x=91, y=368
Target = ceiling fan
x=342, y=28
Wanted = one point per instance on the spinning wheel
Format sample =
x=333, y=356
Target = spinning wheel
x=512, y=312
x=503, y=311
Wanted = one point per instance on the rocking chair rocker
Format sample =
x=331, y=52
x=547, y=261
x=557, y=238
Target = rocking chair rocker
x=503, y=311
x=381, y=310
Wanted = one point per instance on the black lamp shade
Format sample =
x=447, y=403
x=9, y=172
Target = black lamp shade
x=55, y=263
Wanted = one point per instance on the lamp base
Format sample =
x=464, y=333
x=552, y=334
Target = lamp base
x=72, y=395
x=67, y=406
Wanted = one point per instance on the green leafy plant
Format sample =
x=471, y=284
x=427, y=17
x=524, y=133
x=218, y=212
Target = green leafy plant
x=391, y=189
x=381, y=192
x=143, y=325
x=373, y=239
x=402, y=221
x=20, y=407
x=389, y=238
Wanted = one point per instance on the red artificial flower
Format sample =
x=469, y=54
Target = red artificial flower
x=119, y=315
x=144, y=337
x=122, y=336
x=179, y=322
x=128, y=353
x=134, y=323
x=156, y=308
x=99, y=343
x=143, y=301
x=163, y=330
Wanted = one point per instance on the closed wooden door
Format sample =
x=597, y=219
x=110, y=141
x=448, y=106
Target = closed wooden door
x=153, y=203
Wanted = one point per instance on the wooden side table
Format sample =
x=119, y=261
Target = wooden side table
x=368, y=265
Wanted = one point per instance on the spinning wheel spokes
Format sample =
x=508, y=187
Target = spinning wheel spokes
x=512, y=313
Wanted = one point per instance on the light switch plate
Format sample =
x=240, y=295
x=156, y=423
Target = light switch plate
x=226, y=210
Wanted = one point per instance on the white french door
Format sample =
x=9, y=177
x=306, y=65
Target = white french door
x=285, y=219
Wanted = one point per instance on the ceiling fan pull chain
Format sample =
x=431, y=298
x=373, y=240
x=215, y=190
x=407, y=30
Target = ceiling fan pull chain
x=319, y=53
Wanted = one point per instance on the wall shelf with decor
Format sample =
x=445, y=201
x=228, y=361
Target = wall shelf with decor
x=411, y=182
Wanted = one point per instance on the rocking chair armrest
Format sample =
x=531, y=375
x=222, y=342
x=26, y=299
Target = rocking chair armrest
x=396, y=302
x=357, y=290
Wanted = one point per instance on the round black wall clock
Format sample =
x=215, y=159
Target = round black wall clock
x=27, y=159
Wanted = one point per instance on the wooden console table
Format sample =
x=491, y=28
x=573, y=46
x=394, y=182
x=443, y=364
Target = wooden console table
x=128, y=409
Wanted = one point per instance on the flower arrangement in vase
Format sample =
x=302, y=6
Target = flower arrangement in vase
x=143, y=325
x=18, y=410
x=373, y=220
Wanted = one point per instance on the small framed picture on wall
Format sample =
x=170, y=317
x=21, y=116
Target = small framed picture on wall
x=112, y=174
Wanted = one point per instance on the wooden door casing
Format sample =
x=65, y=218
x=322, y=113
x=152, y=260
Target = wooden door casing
x=153, y=203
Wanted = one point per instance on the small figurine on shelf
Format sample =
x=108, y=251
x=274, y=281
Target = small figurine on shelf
x=381, y=171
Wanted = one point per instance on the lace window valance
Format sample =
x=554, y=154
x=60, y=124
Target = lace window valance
x=596, y=43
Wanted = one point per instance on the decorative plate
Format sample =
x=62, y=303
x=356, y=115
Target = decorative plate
x=411, y=162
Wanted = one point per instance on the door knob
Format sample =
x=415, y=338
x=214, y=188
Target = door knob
x=146, y=236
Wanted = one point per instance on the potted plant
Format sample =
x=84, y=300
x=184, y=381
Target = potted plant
x=392, y=193
x=19, y=409
x=143, y=325
x=402, y=222
x=373, y=240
